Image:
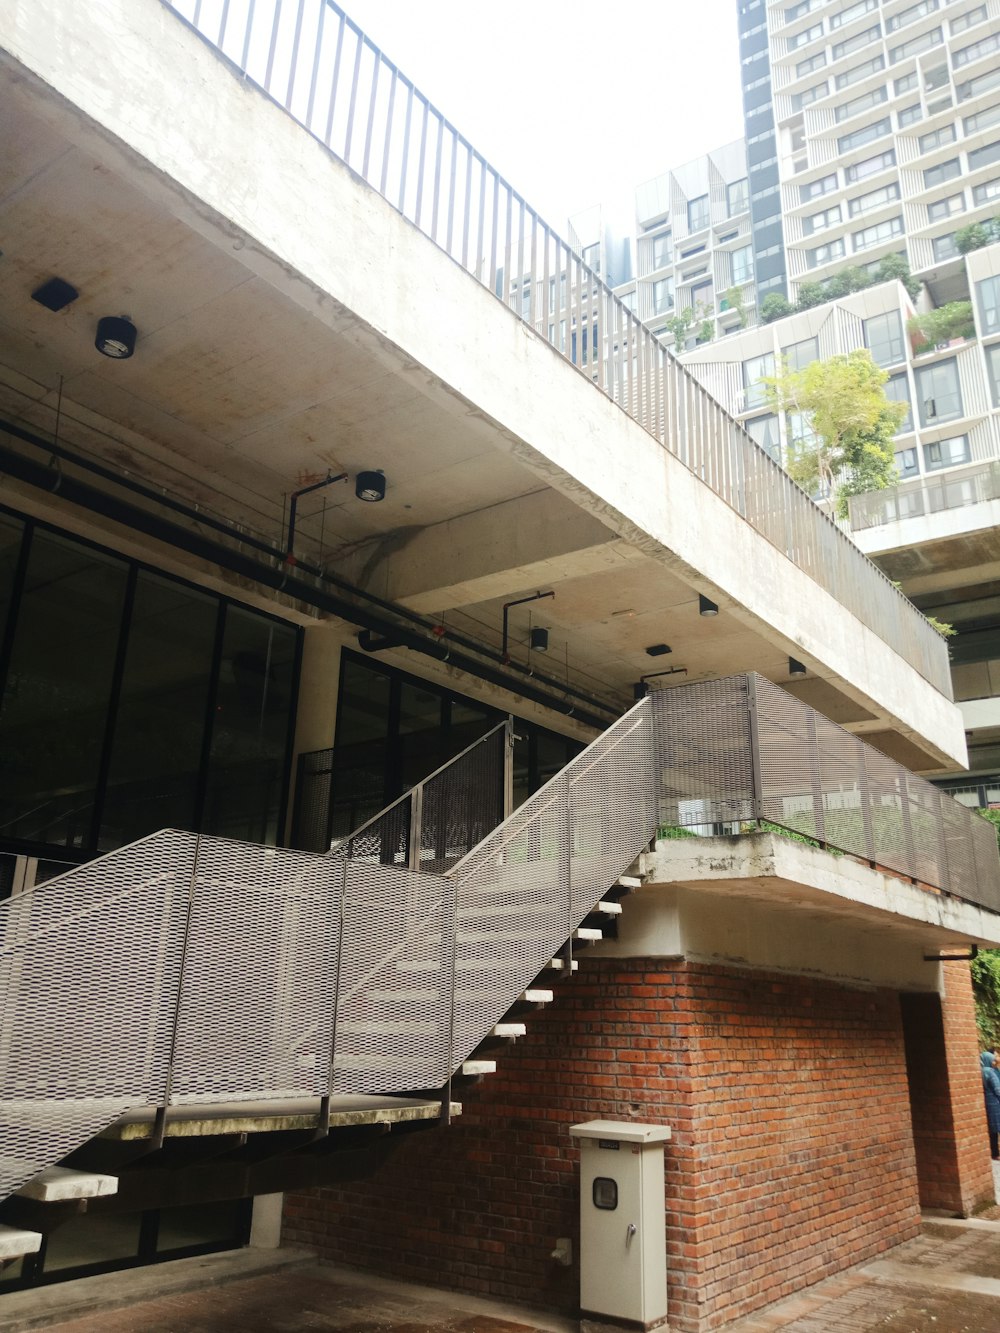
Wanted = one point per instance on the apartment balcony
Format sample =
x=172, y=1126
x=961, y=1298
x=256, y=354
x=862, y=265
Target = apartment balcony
x=330, y=284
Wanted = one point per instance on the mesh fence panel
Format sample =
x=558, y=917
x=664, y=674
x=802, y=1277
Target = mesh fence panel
x=386, y=839
x=702, y=753
x=462, y=803
x=259, y=984
x=517, y=894
x=392, y=1032
x=313, y=801
x=89, y=970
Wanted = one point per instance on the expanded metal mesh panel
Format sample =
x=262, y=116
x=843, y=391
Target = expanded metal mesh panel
x=524, y=889
x=702, y=753
x=612, y=805
x=313, y=798
x=89, y=969
x=817, y=779
x=258, y=991
x=462, y=803
x=987, y=859
x=385, y=840
x=392, y=1032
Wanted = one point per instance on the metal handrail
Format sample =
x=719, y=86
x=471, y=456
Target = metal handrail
x=315, y=62
x=411, y=794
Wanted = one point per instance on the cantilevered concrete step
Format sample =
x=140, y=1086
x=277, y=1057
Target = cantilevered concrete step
x=15, y=1243
x=56, y=1184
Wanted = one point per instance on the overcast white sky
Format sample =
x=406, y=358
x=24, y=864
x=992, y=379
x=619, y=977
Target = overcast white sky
x=573, y=101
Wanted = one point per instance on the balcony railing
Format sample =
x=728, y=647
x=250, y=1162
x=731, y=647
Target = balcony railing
x=742, y=749
x=925, y=495
x=316, y=63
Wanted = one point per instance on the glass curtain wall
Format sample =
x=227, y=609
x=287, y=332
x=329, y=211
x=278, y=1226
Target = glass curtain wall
x=131, y=702
x=394, y=729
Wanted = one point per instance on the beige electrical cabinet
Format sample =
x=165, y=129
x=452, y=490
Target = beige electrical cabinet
x=623, y=1264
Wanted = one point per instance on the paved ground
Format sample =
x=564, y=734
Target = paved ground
x=946, y=1280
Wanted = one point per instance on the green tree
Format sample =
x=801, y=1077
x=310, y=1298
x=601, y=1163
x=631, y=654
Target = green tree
x=852, y=425
x=986, y=976
x=775, y=306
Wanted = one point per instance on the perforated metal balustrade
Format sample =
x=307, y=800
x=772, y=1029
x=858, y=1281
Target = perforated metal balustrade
x=183, y=970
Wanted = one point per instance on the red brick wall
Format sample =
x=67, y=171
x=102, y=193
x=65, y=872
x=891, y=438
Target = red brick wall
x=946, y=1096
x=791, y=1155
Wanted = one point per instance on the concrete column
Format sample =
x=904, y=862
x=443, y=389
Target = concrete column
x=946, y=1097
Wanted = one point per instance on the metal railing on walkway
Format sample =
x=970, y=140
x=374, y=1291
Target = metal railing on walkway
x=317, y=64
x=743, y=749
x=925, y=495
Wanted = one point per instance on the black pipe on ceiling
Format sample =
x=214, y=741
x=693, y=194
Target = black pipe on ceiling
x=282, y=579
x=56, y=450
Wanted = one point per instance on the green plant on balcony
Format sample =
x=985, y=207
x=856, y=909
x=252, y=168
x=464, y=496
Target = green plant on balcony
x=691, y=321
x=850, y=449
x=775, y=306
x=733, y=300
x=937, y=328
x=976, y=235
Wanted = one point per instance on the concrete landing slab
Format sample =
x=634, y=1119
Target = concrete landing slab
x=197, y=1120
x=15, y=1242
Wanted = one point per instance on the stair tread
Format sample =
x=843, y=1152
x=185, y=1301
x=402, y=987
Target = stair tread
x=57, y=1183
x=15, y=1242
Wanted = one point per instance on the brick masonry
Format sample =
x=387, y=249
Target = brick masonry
x=946, y=1096
x=792, y=1154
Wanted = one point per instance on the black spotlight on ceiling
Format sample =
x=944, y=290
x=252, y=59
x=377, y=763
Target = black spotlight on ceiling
x=539, y=640
x=658, y=649
x=370, y=486
x=795, y=668
x=706, y=607
x=116, y=337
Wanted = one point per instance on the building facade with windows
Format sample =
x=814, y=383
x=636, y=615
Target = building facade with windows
x=317, y=529
x=882, y=119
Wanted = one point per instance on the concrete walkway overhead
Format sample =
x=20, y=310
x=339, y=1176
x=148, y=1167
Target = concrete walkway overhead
x=946, y=1280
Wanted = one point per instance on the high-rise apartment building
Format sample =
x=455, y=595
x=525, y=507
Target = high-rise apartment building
x=873, y=128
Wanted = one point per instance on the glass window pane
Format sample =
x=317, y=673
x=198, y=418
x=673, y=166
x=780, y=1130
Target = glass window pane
x=884, y=338
x=219, y=1225
x=938, y=393
x=420, y=732
x=250, y=728
x=989, y=304
x=11, y=532
x=92, y=1238
x=54, y=710
x=159, y=731
x=359, y=784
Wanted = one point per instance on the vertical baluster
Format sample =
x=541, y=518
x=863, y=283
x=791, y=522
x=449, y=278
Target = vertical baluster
x=317, y=50
x=355, y=77
x=366, y=159
x=273, y=45
x=335, y=82
x=387, y=147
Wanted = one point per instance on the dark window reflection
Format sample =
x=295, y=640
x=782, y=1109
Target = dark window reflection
x=246, y=774
x=160, y=726
x=10, y=549
x=53, y=716
x=360, y=779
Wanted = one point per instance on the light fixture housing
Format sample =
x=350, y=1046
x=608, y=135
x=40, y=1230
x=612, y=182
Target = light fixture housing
x=370, y=486
x=795, y=668
x=539, y=640
x=55, y=295
x=658, y=650
x=116, y=337
x=706, y=607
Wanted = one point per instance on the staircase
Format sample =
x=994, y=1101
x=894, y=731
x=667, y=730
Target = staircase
x=184, y=972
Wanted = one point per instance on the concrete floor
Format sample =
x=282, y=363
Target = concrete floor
x=946, y=1280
